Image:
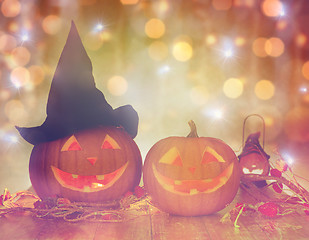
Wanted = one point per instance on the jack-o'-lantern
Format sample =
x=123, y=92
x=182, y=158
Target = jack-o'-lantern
x=253, y=159
x=84, y=150
x=192, y=175
x=92, y=165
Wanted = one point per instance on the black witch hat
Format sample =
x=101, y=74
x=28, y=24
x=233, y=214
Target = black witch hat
x=74, y=102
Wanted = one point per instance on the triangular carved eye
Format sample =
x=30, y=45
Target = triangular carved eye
x=109, y=143
x=71, y=145
x=172, y=157
x=210, y=155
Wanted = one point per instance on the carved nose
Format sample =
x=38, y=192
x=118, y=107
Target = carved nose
x=192, y=169
x=92, y=160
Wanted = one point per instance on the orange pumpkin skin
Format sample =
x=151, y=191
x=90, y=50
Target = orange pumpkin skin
x=191, y=176
x=94, y=165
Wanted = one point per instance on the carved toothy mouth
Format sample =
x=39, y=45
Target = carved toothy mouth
x=254, y=171
x=92, y=183
x=192, y=187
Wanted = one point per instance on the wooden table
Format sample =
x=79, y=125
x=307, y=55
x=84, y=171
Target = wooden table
x=159, y=225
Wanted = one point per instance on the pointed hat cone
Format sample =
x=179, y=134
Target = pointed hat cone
x=74, y=102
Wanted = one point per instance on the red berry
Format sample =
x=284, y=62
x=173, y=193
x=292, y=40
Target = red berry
x=269, y=209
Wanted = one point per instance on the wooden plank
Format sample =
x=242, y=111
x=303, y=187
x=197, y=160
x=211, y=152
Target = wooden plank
x=26, y=227
x=167, y=227
x=19, y=227
x=59, y=229
x=138, y=228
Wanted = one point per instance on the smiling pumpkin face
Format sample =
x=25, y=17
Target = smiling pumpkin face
x=92, y=165
x=191, y=176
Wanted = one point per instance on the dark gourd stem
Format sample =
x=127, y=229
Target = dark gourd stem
x=193, y=133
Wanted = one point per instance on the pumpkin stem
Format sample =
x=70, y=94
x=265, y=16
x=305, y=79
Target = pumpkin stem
x=193, y=132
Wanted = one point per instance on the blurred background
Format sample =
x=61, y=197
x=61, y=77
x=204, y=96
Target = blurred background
x=213, y=61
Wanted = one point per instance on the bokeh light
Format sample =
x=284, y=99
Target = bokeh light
x=155, y=28
x=7, y=43
x=52, y=24
x=20, y=56
x=210, y=39
x=240, y=41
x=264, y=89
x=182, y=51
x=258, y=47
x=20, y=76
x=305, y=70
x=272, y=8
x=117, y=85
x=10, y=8
x=274, y=47
x=233, y=88
x=301, y=39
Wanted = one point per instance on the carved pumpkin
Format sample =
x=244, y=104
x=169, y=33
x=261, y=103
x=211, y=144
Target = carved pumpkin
x=253, y=159
x=192, y=175
x=92, y=165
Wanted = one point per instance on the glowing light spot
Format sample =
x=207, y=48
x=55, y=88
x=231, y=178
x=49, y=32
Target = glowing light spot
x=274, y=47
x=301, y=39
x=240, y=41
x=52, y=24
x=117, y=85
x=264, y=89
x=11, y=138
x=7, y=43
x=129, y=2
x=20, y=56
x=233, y=88
x=282, y=24
x=182, y=51
x=199, y=95
x=303, y=89
x=154, y=28
x=218, y=113
x=305, y=70
x=98, y=27
x=164, y=69
x=37, y=74
x=105, y=35
x=222, y=5
x=10, y=8
x=288, y=158
x=25, y=37
x=20, y=76
x=272, y=8
x=158, y=51
x=228, y=53
x=161, y=6
x=258, y=47
x=210, y=39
